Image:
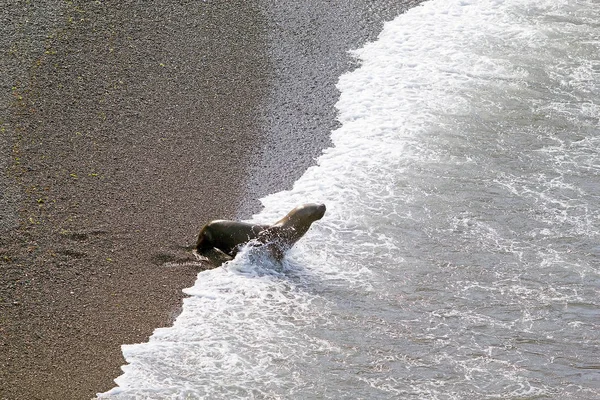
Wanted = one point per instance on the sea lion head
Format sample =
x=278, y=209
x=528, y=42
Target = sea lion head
x=303, y=215
x=283, y=234
x=296, y=223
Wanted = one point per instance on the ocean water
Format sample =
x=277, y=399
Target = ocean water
x=460, y=254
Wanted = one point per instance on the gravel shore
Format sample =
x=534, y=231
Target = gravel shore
x=125, y=127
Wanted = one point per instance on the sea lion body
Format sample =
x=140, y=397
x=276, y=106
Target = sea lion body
x=230, y=236
x=227, y=236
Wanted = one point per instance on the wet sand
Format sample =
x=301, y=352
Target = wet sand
x=125, y=127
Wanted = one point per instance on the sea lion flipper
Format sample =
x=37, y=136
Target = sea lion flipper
x=200, y=257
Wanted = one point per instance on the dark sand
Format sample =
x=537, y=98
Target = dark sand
x=125, y=126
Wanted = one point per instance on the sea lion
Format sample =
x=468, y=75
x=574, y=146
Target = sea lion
x=226, y=236
x=230, y=236
x=283, y=234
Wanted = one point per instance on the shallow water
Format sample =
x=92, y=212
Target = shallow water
x=459, y=257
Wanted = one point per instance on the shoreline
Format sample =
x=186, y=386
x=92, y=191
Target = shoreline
x=130, y=126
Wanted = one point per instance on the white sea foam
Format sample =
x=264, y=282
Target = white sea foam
x=458, y=257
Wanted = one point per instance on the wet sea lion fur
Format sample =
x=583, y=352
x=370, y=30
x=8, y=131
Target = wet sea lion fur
x=229, y=237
